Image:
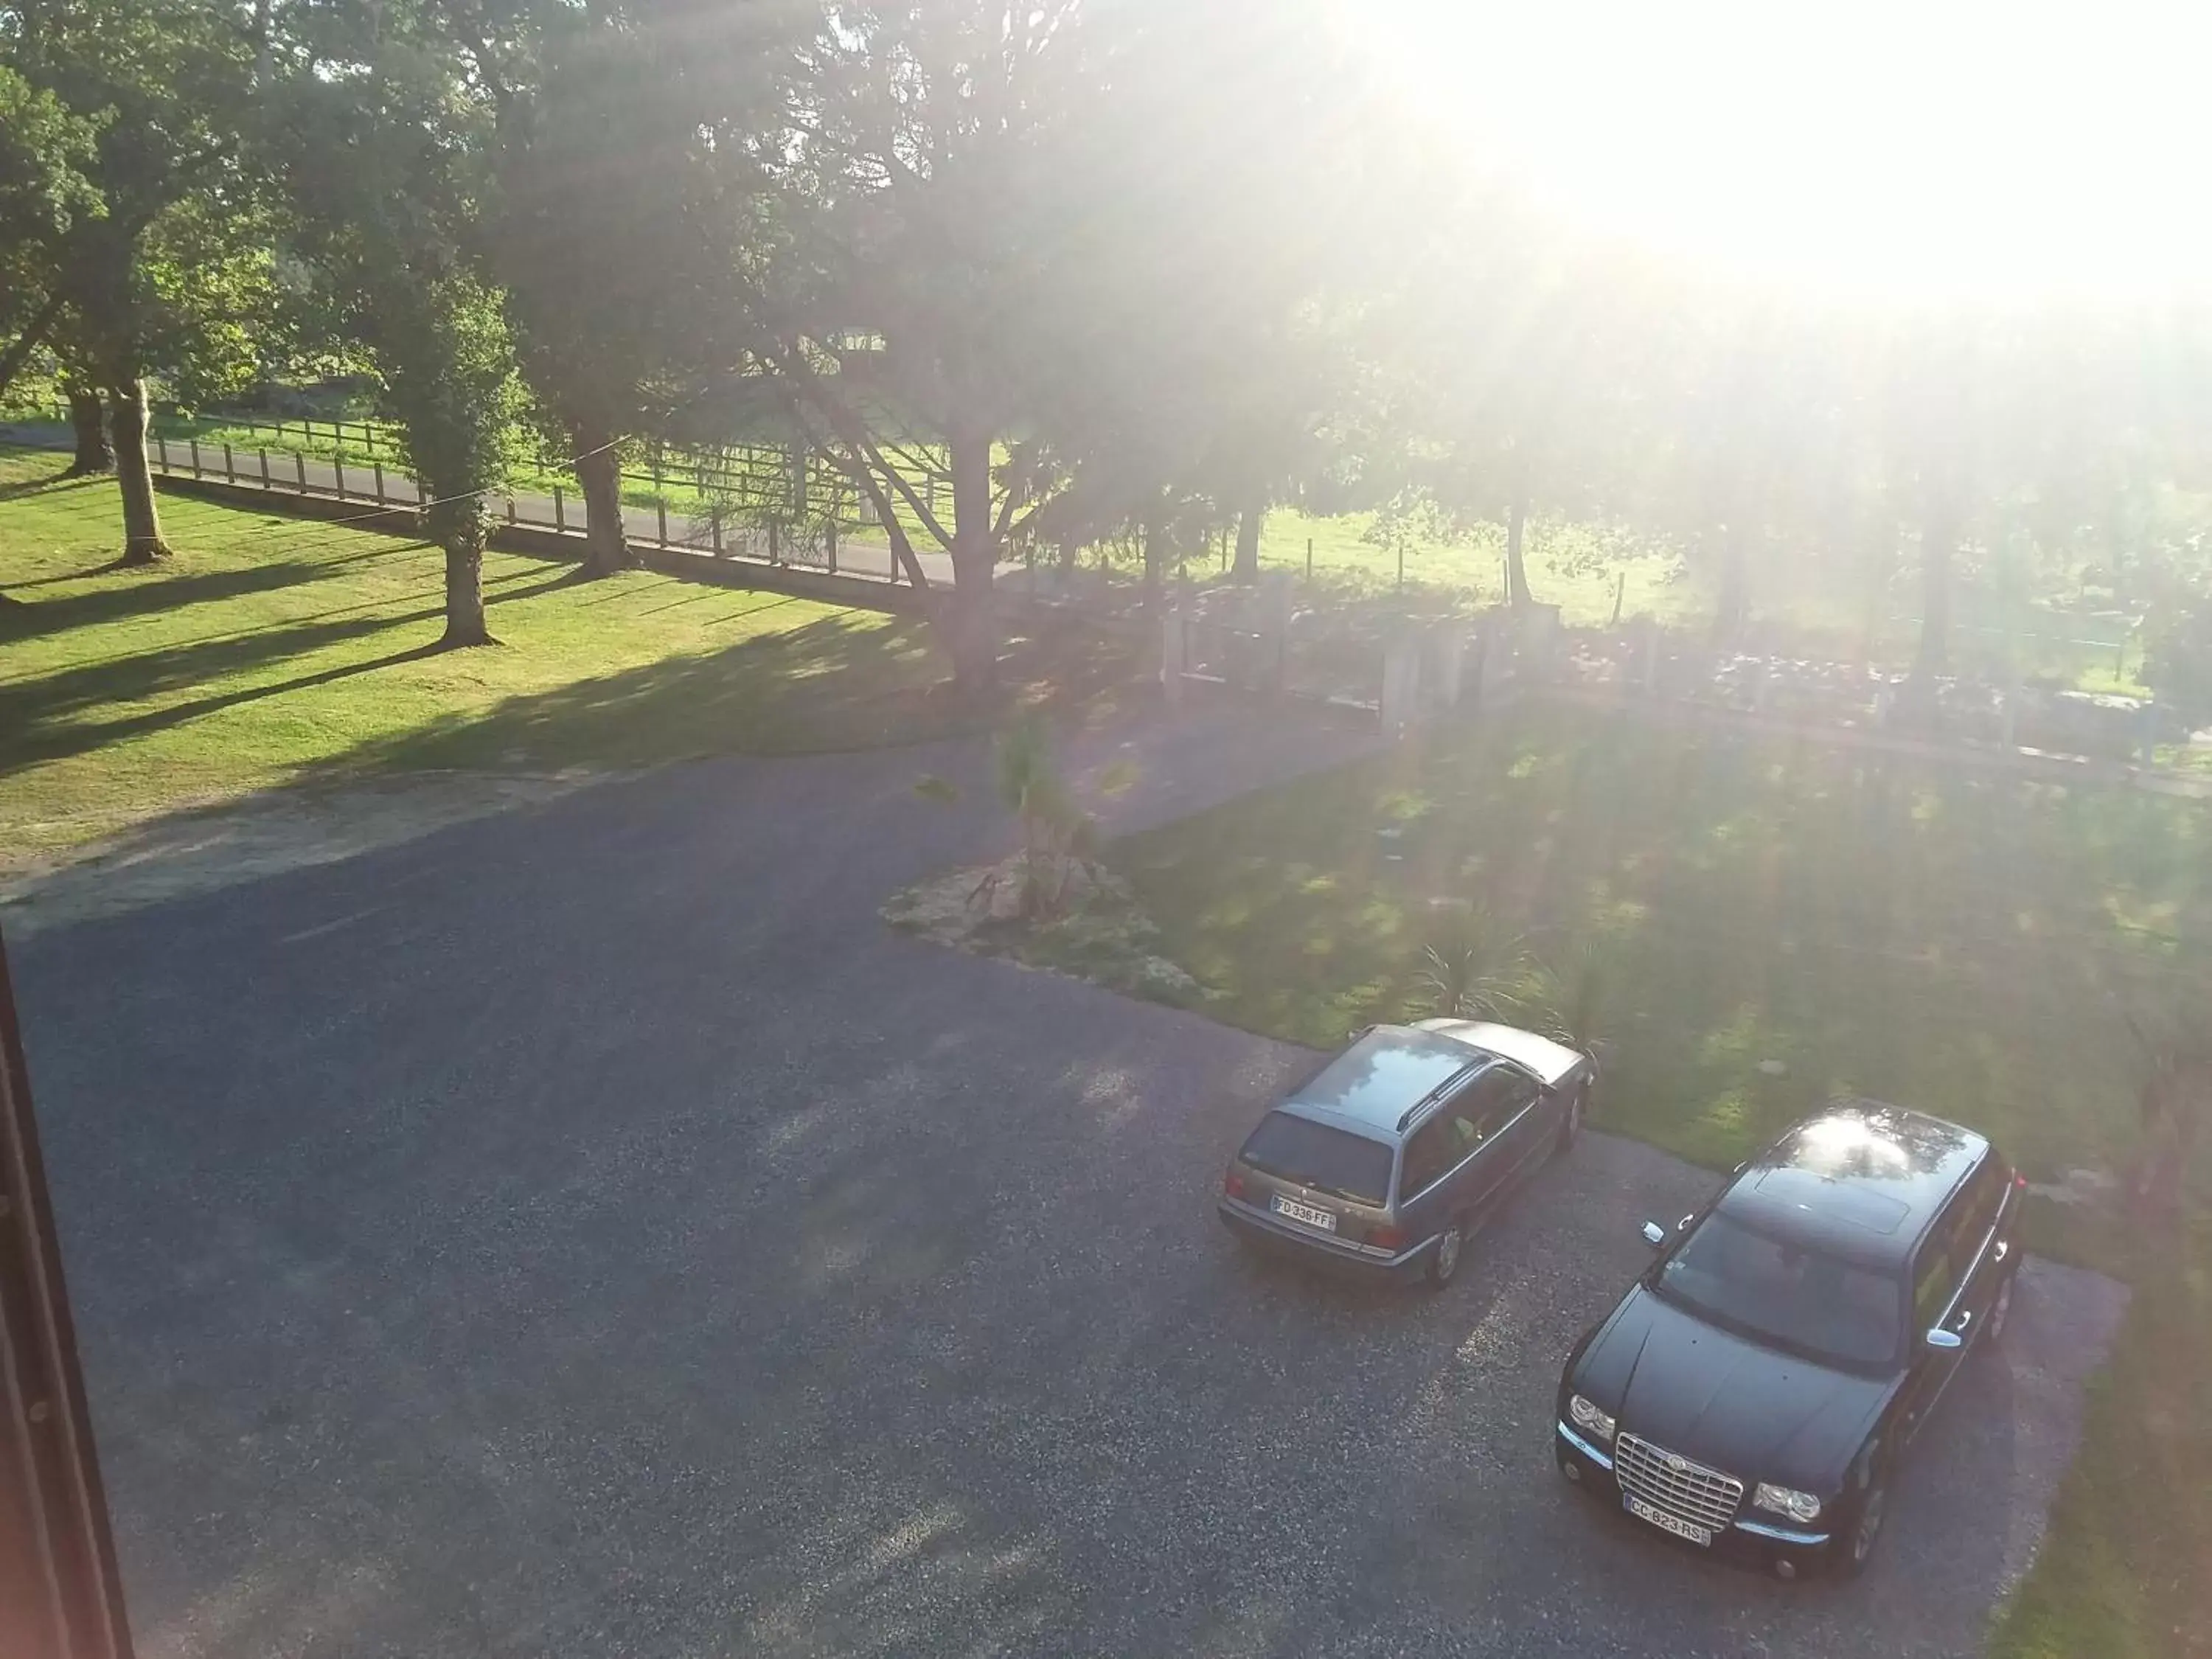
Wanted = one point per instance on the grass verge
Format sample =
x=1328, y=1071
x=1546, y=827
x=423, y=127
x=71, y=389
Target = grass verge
x=1769, y=923
x=275, y=651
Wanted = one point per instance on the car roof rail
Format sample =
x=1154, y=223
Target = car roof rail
x=1482, y=1063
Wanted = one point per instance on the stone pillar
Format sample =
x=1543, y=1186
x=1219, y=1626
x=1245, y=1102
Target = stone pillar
x=1492, y=642
x=1174, y=655
x=1272, y=617
x=1540, y=634
x=1401, y=683
x=1447, y=655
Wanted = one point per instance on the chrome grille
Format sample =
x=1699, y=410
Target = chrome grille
x=1673, y=1483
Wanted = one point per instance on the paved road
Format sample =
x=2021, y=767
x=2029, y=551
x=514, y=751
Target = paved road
x=589, y=1231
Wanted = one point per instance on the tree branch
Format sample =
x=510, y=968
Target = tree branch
x=849, y=427
x=854, y=467
x=12, y=361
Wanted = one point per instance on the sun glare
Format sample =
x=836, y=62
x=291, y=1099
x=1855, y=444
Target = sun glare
x=1900, y=150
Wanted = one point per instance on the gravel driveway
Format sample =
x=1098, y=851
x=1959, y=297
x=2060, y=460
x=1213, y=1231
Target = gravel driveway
x=589, y=1231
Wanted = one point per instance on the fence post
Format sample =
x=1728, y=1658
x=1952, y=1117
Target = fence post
x=195, y=443
x=1309, y=559
x=660, y=510
x=377, y=467
x=560, y=514
x=265, y=467
x=337, y=471
x=229, y=472
x=775, y=553
x=161, y=453
x=300, y=468
x=715, y=528
x=832, y=533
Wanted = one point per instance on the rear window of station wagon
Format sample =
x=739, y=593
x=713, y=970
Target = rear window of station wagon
x=1314, y=1155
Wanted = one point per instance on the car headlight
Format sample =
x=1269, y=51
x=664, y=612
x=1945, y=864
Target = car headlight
x=1783, y=1500
x=1590, y=1417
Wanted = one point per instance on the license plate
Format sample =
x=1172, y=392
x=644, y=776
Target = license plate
x=1306, y=1212
x=1665, y=1522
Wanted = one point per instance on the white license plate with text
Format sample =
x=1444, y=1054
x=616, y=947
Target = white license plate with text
x=1665, y=1522
x=1306, y=1212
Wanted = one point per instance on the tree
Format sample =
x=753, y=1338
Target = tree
x=383, y=155
x=46, y=152
x=2177, y=659
x=960, y=178
x=1194, y=348
x=601, y=122
x=932, y=225
x=152, y=282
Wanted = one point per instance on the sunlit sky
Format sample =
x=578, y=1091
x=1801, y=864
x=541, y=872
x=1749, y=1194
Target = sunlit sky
x=1859, y=146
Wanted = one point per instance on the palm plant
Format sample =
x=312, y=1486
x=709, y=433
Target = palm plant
x=1055, y=831
x=1565, y=1004
x=1478, y=967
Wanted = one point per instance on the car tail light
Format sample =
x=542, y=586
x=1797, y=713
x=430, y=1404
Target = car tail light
x=2019, y=1180
x=1233, y=1184
x=1389, y=1238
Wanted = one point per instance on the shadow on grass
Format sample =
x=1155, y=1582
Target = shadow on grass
x=53, y=483
x=25, y=707
x=65, y=741
x=835, y=683
x=1771, y=922
x=164, y=591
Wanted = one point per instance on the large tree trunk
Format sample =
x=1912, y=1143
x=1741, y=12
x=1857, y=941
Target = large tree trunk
x=970, y=615
x=1939, y=535
x=1248, y=542
x=89, y=425
x=458, y=526
x=1155, y=537
x=141, y=518
x=1516, y=568
x=598, y=470
x=1735, y=605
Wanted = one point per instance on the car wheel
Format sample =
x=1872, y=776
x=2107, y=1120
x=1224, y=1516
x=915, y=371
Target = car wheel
x=1443, y=1261
x=2000, y=1314
x=1573, y=1127
x=1865, y=1529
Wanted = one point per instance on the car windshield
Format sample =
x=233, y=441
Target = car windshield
x=1314, y=1155
x=1776, y=1291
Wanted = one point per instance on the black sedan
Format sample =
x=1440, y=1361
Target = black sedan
x=1756, y=1389
x=1389, y=1157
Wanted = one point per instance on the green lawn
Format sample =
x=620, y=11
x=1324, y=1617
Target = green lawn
x=273, y=651
x=1959, y=942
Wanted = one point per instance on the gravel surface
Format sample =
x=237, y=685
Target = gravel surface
x=589, y=1231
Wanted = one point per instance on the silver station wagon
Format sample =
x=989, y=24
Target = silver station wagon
x=1393, y=1154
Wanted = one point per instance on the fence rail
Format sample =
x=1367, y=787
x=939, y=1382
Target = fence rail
x=730, y=526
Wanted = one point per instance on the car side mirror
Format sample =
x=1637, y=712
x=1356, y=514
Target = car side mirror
x=1654, y=1234
x=1944, y=1340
